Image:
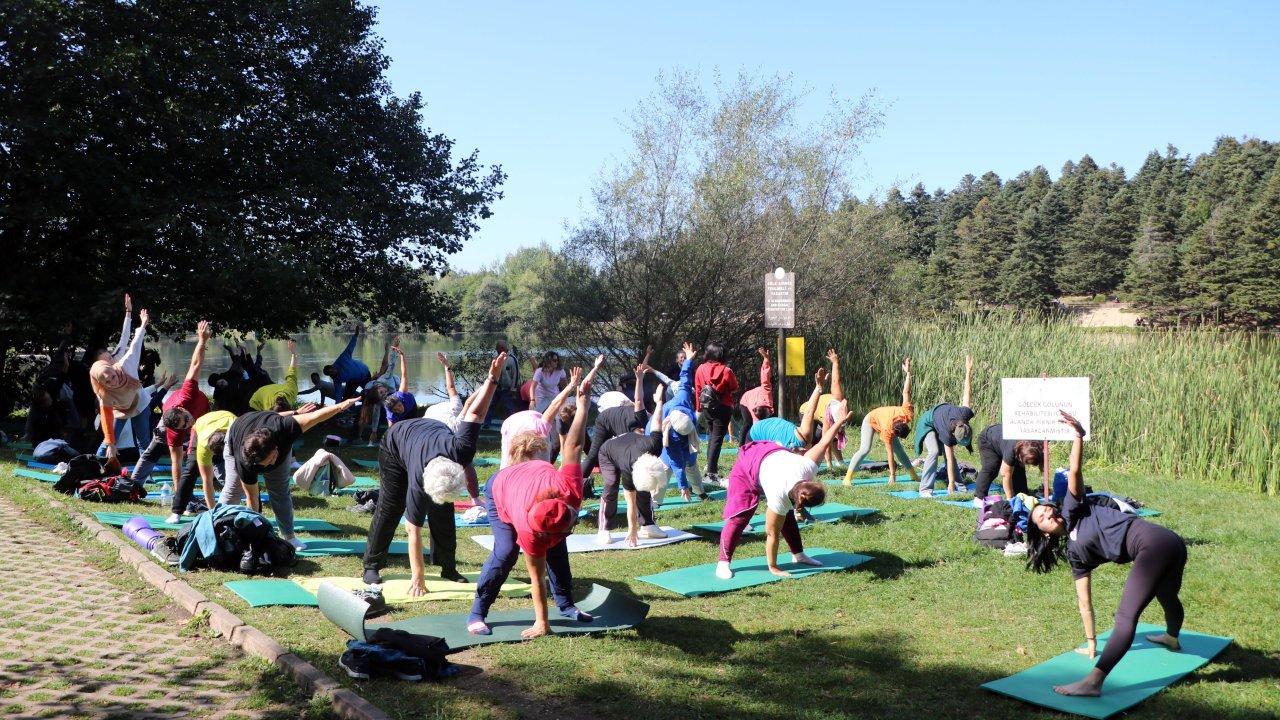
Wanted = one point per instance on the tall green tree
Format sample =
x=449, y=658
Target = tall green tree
x=1255, y=298
x=1027, y=275
x=244, y=161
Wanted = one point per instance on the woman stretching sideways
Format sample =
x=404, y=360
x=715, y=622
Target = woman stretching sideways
x=1097, y=534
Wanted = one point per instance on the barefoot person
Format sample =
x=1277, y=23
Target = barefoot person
x=945, y=425
x=420, y=465
x=893, y=422
x=1096, y=534
x=181, y=410
x=262, y=443
x=784, y=480
x=532, y=508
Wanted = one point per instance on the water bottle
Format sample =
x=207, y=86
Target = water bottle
x=166, y=495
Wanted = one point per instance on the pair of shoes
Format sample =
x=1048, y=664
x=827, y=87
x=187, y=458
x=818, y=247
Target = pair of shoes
x=355, y=664
x=365, y=508
x=373, y=596
x=652, y=532
x=604, y=537
x=295, y=542
x=711, y=479
x=454, y=575
x=926, y=493
x=164, y=554
x=358, y=664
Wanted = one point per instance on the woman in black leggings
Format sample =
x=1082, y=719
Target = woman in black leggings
x=1097, y=534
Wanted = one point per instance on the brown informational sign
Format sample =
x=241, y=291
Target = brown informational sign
x=780, y=300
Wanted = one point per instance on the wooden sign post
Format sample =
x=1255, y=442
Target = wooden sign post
x=780, y=313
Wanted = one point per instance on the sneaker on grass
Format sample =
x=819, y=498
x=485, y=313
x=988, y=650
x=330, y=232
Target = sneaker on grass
x=355, y=665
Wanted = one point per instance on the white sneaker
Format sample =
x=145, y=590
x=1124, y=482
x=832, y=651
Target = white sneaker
x=926, y=493
x=723, y=571
x=652, y=532
x=296, y=543
x=805, y=560
x=977, y=502
x=173, y=519
x=603, y=537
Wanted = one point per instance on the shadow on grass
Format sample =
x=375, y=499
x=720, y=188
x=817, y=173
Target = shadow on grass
x=887, y=566
x=1240, y=664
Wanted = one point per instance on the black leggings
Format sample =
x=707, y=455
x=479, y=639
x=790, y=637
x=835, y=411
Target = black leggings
x=393, y=491
x=747, y=422
x=1159, y=555
x=717, y=428
x=991, y=459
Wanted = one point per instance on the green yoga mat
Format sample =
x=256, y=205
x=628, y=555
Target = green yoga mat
x=613, y=610
x=36, y=475
x=828, y=513
x=884, y=480
x=323, y=547
x=1144, y=671
x=674, y=502
x=118, y=519
x=271, y=592
x=371, y=464
x=749, y=572
x=363, y=482
x=478, y=462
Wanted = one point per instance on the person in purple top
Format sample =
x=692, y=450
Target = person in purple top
x=1097, y=534
x=401, y=404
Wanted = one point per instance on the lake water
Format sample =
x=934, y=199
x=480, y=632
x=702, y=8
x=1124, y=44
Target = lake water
x=315, y=350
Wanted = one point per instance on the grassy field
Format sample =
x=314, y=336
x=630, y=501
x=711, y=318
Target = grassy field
x=913, y=633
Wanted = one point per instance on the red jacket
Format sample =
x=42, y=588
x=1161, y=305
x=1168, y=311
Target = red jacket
x=720, y=378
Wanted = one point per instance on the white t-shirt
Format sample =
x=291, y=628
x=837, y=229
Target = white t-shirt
x=781, y=471
x=547, y=383
x=446, y=412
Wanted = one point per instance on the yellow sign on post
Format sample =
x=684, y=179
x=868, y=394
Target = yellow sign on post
x=795, y=357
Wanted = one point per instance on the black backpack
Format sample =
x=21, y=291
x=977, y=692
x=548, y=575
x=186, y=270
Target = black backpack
x=79, y=469
x=433, y=651
x=708, y=399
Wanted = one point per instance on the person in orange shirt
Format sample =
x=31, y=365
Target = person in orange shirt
x=893, y=422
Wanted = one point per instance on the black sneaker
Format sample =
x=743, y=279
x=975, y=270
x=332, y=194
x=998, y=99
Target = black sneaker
x=453, y=575
x=355, y=665
x=406, y=667
x=372, y=577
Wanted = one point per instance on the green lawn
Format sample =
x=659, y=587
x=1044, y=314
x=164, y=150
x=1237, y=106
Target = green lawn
x=913, y=633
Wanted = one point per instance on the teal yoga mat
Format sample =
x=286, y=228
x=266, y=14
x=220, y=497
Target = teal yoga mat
x=36, y=475
x=271, y=592
x=884, y=480
x=613, y=610
x=363, y=482
x=370, y=464
x=1144, y=671
x=748, y=572
x=674, y=502
x=118, y=519
x=828, y=513
x=478, y=462
x=323, y=547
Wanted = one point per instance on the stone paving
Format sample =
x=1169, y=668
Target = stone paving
x=73, y=644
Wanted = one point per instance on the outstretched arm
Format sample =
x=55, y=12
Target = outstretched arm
x=637, y=401
x=968, y=381
x=766, y=373
x=126, y=328
x=1075, y=476
x=478, y=404
x=570, y=453
x=315, y=417
x=840, y=417
x=203, y=333
x=449, y=384
x=595, y=368
x=906, y=381
x=837, y=389
x=806, y=422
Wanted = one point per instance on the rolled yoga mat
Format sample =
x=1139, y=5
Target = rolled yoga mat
x=612, y=609
x=1144, y=671
x=826, y=513
x=586, y=542
x=749, y=572
x=118, y=519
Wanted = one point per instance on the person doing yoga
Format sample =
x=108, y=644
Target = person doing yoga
x=757, y=403
x=680, y=450
x=532, y=508
x=633, y=461
x=280, y=396
x=786, y=433
x=1097, y=534
x=785, y=481
x=181, y=410
x=945, y=425
x=893, y=423
x=121, y=395
x=1006, y=459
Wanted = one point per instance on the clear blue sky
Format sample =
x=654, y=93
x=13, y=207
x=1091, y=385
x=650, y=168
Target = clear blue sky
x=540, y=88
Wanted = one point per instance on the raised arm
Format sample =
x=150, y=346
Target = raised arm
x=126, y=328
x=315, y=417
x=906, y=381
x=766, y=372
x=449, y=384
x=837, y=388
x=1075, y=475
x=967, y=400
x=595, y=368
x=806, y=422
x=203, y=333
x=570, y=453
x=840, y=416
x=478, y=403
x=553, y=408
x=637, y=400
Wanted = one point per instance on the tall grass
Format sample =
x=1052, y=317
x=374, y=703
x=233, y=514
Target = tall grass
x=1200, y=405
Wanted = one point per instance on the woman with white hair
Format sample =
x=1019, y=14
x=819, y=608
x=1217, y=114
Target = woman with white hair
x=679, y=422
x=633, y=461
x=532, y=508
x=785, y=481
x=420, y=467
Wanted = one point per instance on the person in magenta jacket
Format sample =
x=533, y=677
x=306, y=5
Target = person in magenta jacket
x=716, y=405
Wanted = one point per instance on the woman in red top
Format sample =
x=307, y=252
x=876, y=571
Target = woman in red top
x=533, y=508
x=716, y=404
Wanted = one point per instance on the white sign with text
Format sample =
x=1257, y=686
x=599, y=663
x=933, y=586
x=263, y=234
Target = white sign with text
x=1029, y=407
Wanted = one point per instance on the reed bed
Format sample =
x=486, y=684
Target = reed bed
x=1199, y=405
